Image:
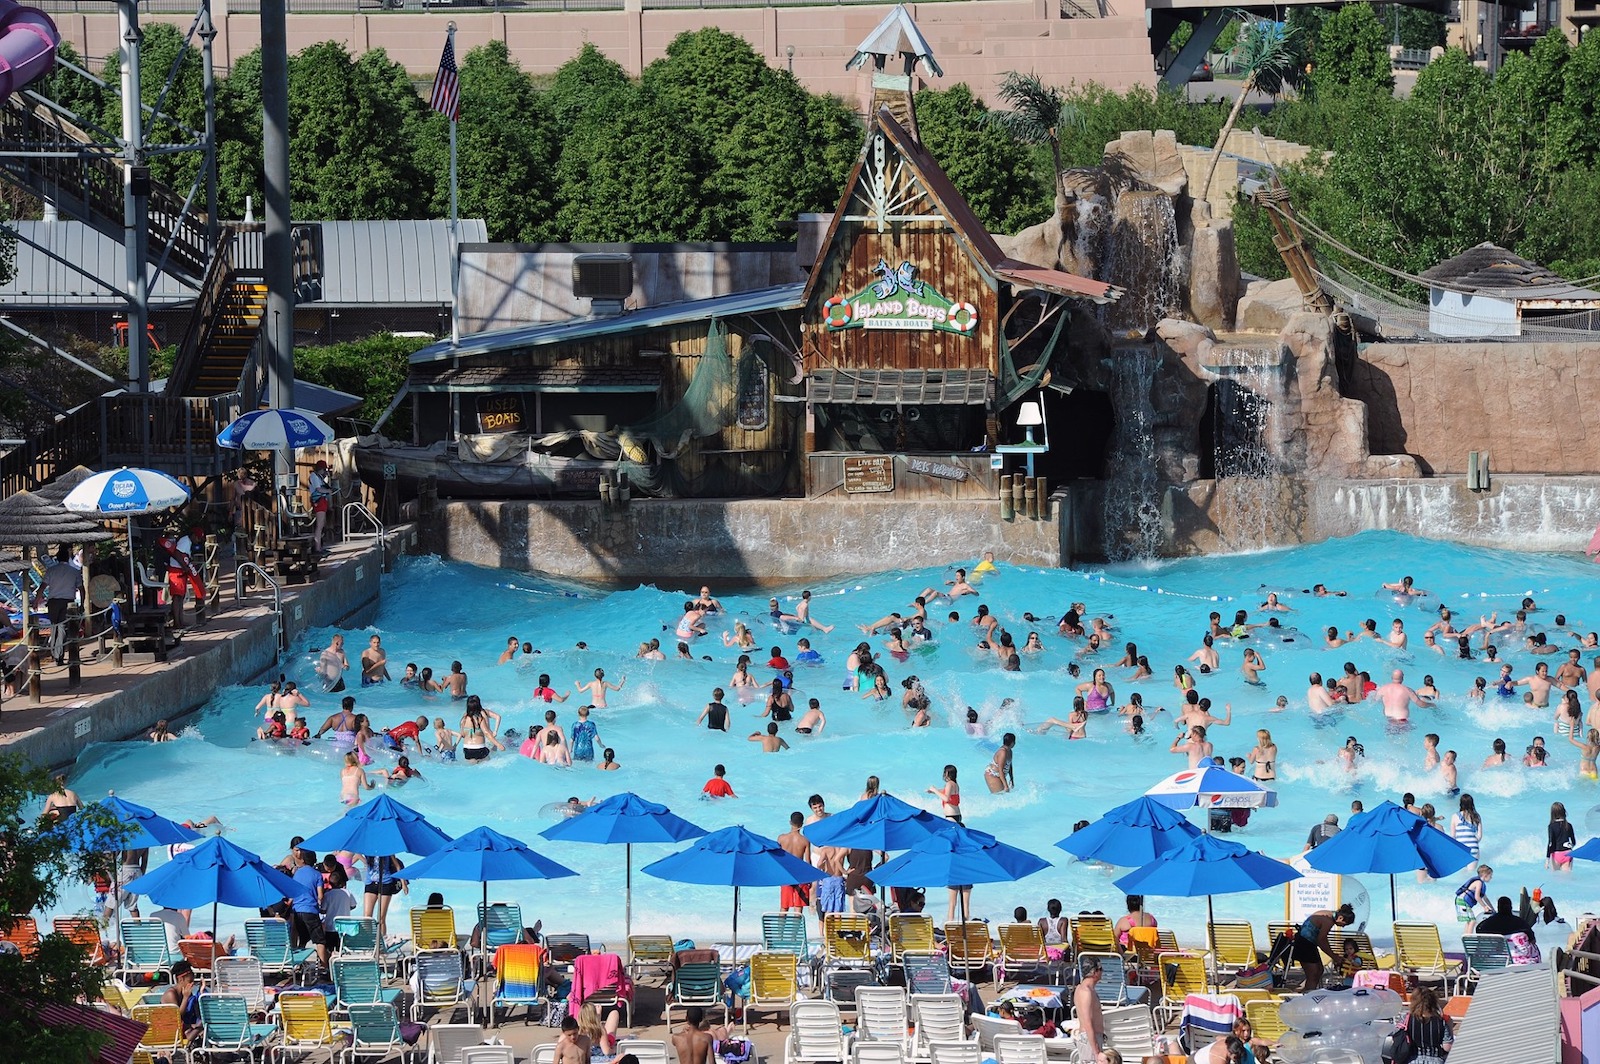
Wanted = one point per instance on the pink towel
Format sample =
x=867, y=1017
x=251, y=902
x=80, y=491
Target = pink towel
x=597, y=971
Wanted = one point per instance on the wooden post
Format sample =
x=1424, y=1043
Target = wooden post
x=1030, y=499
x=1018, y=496
x=1006, y=511
x=1042, y=490
x=34, y=693
x=74, y=662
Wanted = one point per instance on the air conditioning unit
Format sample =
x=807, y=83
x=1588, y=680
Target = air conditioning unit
x=606, y=280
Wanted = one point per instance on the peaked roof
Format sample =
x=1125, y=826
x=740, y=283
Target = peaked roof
x=959, y=213
x=896, y=35
x=1491, y=269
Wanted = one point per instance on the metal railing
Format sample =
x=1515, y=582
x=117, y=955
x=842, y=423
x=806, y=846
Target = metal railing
x=174, y=434
x=370, y=527
x=239, y=573
x=72, y=441
x=1411, y=59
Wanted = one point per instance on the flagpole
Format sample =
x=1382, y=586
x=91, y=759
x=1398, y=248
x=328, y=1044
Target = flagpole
x=455, y=233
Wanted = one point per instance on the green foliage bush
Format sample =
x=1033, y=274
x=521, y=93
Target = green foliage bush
x=373, y=368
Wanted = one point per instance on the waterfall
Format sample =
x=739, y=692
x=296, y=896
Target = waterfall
x=1144, y=258
x=1246, y=448
x=1133, y=527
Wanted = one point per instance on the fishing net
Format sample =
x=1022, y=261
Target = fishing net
x=707, y=406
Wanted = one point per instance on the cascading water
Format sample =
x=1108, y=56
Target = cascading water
x=1245, y=450
x=1133, y=496
x=1143, y=257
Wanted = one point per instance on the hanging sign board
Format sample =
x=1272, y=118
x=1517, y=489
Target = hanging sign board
x=501, y=413
x=942, y=470
x=898, y=300
x=865, y=474
x=1312, y=892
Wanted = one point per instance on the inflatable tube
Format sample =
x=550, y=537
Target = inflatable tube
x=1337, y=1010
x=28, y=40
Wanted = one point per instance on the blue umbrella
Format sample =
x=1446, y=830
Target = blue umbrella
x=1206, y=865
x=217, y=872
x=275, y=430
x=957, y=859
x=483, y=855
x=624, y=818
x=1132, y=834
x=142, y=828
x=1390, y=839
x=126, y=491
x=382, y=827
x=734, y=857
x=882, y=822
x=1589, y=851
x=1213, y=788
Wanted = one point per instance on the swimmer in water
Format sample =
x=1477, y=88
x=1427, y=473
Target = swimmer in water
x=1405, y=586
x=512, y=645
x=1317, y=698
x=1194, y=744
x=999, y=774
x=1428, y=692
x=1321, y=591
x=1332, y=640
x=1252, y=667
x=1430, y=752
x=608, y=762
x=1274, y=605
x=1447, y=774
x=813, y=721
x=1497, y=756
x=691, y=624
x=1097, y=693
x=352, y=778
x=1398, y=698
x=949, y=793
x=1349, y=752
x=1206, y=656
x=715, y=714
x=1032, y=646
x=1397, y=634
x=959, y=586
x=1590, y=747
x=596, y=688
x=802, y=614
x=1075, y=725
x=1198, y=715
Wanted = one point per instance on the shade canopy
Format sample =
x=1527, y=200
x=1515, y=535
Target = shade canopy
x=62, y=485
x=216, y=871
x=882, y=822
x=1132, y=834
x=1589, y=851
x=624, y=818
x=483, y=855
x=1390, y=839
x=958, y=858
x=275, y=430
x=126, y=491
x=30, y=520
x=1206, y=865
x=1212, y=787
x=143, y=827
x=382, y=828
x=734, y=857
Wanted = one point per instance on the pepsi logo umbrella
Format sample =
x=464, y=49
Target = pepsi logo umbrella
x=1212, y=788
x=1132, y=834
x=1389, y=839
x=625, y=818
x=275, y=430
x=126, y=491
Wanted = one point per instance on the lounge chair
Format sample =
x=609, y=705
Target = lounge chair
x=939, y=1018
x=774, y=985
x=910, y=933
x=1129, y=1031
x=439, y=982
x=519, y=980
x=163, y=1034
x=359, y=981
x=1022, y=953
x=1232, y=944
x=990, y=1028
x=601, y=978
x=1363, y=945
x=649, y=954
x=564, y=949
x=305, y=1025
x=242, y=977
x=1093, y=934
x=877, y=1053
x=268, y=942
x=1019, y=1049
x=374, y=1033
x=1485, y=953
x=815, y=1035
x=1419, y=952
x=846, y=941
x=1265, y=1023
x=501, y=923
x=202, y=955
x=496, y=1054
x=1114, y=988
x=23, y=934
x=883, y=1015
x=84, y=932
x=447, y=1040
x=227, y=1030
x=648, y=1051
x=955, y=1053
x=926, y=973
x=1181, y=974
x=1206, y=1016
x=434, y=929
x=968, y=948
x=696, y=980
x=144, y=949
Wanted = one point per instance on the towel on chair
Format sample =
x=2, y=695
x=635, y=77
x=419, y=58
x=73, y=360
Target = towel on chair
x=597, y=971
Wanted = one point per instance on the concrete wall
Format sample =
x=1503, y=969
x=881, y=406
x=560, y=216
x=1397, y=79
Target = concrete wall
x=1521, y=402
x=344, y=595
x=975, y=41
x=743, y=541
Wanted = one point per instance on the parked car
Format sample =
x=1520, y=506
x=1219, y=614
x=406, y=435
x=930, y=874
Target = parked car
x=1201, y=72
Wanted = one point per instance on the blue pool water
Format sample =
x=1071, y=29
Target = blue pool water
x=433, y=612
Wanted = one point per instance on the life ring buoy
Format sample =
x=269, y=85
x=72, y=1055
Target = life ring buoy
x=963, y=317
x=836, y=312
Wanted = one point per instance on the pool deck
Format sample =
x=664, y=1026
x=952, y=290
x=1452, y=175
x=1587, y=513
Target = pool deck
x=237, y=642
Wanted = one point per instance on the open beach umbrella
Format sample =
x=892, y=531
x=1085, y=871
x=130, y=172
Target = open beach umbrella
x=624, y=818
x=131, y=827
x=124, y=493
x=958, y=858
x=1589, y=851
x=1390, y=839
x=382, y=827
x=214, y=873
x=882, y=822
x=1132, y=834
x=734, y=857
x=483, y=855
x=1206, y=865
x=275, y=430
x=30, y=520
x=1212, y=788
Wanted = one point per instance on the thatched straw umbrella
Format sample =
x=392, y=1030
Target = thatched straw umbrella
x=27, y=521
x=57, y=489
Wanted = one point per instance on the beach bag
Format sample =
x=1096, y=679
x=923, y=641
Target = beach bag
x=411, y=1033
x=1522, y=949
x=734, y=1050
x=1397, y=1047
x=1255, y=977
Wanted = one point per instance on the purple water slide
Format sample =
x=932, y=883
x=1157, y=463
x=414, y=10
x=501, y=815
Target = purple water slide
x=28, y=39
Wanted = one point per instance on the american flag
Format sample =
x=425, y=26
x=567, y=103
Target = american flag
x=447, y=86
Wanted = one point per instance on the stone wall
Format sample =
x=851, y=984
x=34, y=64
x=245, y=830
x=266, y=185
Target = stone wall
x=1524, y=403
x=737, y=541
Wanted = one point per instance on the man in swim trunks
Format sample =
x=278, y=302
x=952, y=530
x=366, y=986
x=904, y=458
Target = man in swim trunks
x=411, y=729
x=1206, y=655
x=1539, y=684
x=795, y=843
x=456, y=682
x=771, y=742
x=1316, y=695
x=374, y=663
x=331, y=665
x=1398, y=698
x=510, y=651
x=715, y=714
x=959, y=586
x=813, y=721
x=830, y=893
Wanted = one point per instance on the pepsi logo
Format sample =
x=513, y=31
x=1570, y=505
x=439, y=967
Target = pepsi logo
x=1185, y=777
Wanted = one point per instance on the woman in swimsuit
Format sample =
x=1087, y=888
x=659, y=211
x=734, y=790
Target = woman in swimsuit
x=1497, y=755
x=1568, y=714
x=1141, y=670
x=949, y=795
x=1181, y=678
x=1032, y=646
x=871, y=790
x=268, y=700
x=553, y=751
x=1073, y=725
x=1097, y=694
x=1071, y=626
x=61, y=802
x=999, y=773
x=780, y=707
x=741, y=637
x=353, y=777
x=1591, y=748
x=1479, y=686
x=742, y=682
x=880, y=688
x=1006, y=651
x=1264, y=757
x=896, y=645
x=476, y=737
x=1130, y=657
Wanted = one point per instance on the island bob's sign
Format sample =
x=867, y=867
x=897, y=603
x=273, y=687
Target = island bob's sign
x=898, y=300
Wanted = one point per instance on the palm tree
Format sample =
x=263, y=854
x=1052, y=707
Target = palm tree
x=1271, y=61
x=1038, y=114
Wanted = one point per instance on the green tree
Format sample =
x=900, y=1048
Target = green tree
x=1271, y=61
x=181, y=118
x=70, y=89
x=708, y=78
x=1575, y=118
x=991, y=170
x=373, y=368
x=506, y=149
x=1420, y=29
x=34, y=866
x=239, y=133
x=1039, y=114
x=586, y=83
x=1352, y=49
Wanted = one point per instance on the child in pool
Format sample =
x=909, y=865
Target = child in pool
x=444, y=740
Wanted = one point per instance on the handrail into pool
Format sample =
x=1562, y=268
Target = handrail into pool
x=359, y=509
x=277, y=601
